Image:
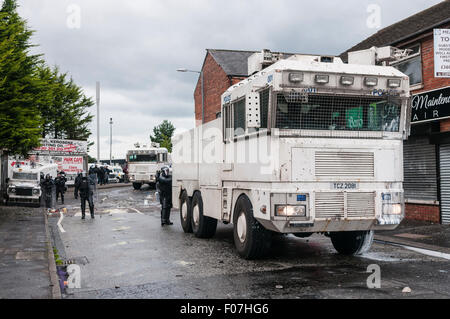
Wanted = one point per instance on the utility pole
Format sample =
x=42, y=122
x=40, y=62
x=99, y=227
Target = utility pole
x=110, y=141
x=98, y=122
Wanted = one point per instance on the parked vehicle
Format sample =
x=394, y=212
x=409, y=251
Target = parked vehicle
x=24, y=186
x=116, y=174
x=331, y=135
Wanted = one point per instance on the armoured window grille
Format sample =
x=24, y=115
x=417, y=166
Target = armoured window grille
x=337, y=112
x=264, y=101
x=239, y=117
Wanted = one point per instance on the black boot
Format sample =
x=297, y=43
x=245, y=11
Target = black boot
x=167, y=217
x=83, y=216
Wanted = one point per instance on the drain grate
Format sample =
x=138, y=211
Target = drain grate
x=77, y=261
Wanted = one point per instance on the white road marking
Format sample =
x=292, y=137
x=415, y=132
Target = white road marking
x=121, y=228
x=431, y=253
x=423, y=251
x=61, y=229
x=136, y=210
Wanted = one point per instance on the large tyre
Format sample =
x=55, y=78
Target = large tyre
x=251, y=239
x=137, y=186
x=185, y=212
x=352, y=242
x=202, y=226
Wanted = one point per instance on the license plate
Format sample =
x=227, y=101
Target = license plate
x=344, y=185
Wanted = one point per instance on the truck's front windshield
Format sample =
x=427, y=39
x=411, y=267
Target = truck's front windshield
x=25, y=176
x=334, y=112
x=136, y=158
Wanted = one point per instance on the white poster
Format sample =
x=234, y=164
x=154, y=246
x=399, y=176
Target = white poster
x=442, y=53
x=54, y=146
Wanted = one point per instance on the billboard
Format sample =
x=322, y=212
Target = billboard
x=56, y=146
x=442, y=53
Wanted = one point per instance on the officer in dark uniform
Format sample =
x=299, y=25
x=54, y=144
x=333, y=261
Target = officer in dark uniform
x=47, y=187
x=60, y=183
x=85, y=187
x=164, y=186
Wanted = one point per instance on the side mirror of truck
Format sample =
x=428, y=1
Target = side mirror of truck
x=253, y=110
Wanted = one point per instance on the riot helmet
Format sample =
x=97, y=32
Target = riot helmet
x=165, y=171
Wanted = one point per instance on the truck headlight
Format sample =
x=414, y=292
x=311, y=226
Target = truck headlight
x=35, y=191
x=12, y=190
x=392, y=209
x=347, y=80
x=394, y=83
x=295, y=77
x=369, y=81
x=290, y=210
x=322, y=78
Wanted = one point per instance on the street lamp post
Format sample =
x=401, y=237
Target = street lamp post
x=98, y=120
x=202, y=88
x=110, y=141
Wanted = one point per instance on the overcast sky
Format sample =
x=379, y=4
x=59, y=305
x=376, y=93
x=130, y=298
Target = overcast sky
x=134, y=47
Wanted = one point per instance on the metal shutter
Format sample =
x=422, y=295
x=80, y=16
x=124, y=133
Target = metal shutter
x=444, y=153
x=419, y=158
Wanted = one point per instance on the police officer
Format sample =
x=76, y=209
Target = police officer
x=60, y=183
x=47, y=187
x=164, y=185
x=85, y=187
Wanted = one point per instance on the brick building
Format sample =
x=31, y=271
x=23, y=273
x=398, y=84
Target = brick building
x=427, y=151
x=221, y=69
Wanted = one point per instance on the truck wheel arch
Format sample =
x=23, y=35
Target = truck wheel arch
x=238, y=193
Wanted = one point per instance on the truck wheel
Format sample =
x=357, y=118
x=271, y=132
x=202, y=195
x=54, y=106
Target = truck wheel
x=251, y=239
x=137, y=186
x=202, y=226
x=353, y=242
x=185, y=212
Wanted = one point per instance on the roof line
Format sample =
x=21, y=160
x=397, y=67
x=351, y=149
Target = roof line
x=421, y=31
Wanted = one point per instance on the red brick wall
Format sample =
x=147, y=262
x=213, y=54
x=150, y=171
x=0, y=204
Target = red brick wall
x=215, y=83
x=428, y=213
x=445, y=125
x=429, y=81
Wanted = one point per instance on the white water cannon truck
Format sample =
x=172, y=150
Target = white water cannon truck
x=307, y=145
x=24, y=185
x=143, y=163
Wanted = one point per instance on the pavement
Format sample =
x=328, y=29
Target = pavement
x=25, y=255
x=418, y=234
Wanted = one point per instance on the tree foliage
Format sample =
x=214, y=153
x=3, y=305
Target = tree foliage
x=35, y=100
x=20, y=119
x=65, y=108
x=162, y=134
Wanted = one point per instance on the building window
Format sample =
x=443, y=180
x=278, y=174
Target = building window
x=411, y=66
x=239, y=117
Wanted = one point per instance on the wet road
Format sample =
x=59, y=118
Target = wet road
x=125, y=253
